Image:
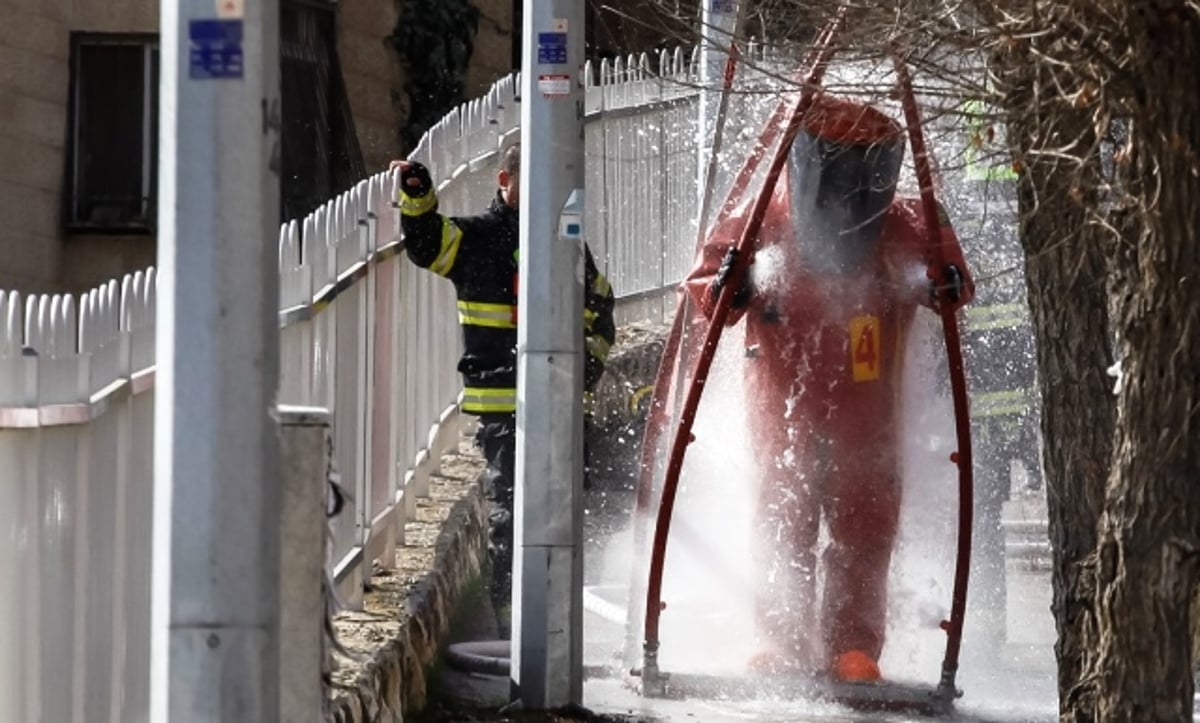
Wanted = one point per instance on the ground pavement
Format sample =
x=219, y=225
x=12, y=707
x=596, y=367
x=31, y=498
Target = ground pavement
x=1006, y=682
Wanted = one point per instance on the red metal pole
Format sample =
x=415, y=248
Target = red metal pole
x=683, y=434
x=673, y=359
x=958, y=382
x=655, y=421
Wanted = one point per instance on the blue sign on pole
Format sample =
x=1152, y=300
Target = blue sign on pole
x=721, y=6
x=215, y=49
x=552, y=48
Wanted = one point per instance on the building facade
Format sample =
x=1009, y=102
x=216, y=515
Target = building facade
x=78, y=122
x=79, y=99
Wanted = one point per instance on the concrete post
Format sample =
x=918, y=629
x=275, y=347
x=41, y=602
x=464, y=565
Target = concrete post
x=215, y=640
x=547, y=655
x=304, y=444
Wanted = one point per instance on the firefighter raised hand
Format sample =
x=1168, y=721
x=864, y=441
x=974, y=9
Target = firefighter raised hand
x=415, y=181
x=741, y=296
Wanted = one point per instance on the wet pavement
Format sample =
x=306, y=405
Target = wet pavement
x=1013, y=681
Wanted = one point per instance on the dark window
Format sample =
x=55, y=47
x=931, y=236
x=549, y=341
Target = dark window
x=114, y=133
x=113, y=174
x=518, y=31
x=321, y=155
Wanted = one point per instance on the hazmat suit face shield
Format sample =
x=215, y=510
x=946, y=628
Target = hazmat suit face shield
x=842, y=175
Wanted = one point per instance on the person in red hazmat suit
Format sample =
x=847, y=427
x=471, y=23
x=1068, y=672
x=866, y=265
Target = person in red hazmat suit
x=839, y=269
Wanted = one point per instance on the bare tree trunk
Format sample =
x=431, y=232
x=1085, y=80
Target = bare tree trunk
x=1149, y=549
x=1066, y=275
x=1196, y=631
x=1067, y=298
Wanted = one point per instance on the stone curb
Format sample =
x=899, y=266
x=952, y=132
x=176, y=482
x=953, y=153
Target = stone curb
x=406, y=612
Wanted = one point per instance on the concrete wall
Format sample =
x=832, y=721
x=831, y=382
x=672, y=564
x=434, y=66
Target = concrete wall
x=374, y=77
x=34, y=50
x=88, y=260
x=493, y=53
x=35, y=47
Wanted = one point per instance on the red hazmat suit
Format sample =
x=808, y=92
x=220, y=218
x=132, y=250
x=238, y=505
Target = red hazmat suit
x=840, y=267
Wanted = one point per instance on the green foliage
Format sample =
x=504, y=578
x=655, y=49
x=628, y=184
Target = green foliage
x=435, y=39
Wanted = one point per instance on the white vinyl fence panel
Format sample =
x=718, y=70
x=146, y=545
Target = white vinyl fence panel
x=76, y=440
x=373, y=340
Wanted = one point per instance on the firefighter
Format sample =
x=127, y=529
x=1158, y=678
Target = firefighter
x=836, y=277
x=998, y=341
x=479, y=255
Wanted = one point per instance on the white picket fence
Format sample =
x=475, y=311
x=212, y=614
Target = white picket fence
x=363, y=333
x=76, y=476
x=374, y=339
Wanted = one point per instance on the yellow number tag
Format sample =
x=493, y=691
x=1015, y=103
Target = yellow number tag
x=864, y=347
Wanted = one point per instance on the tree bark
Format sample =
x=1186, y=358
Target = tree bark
x=1067, y=299
x=1149, y=547
x=1066, y=275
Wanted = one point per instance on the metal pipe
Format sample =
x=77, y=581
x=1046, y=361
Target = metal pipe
x=958, y=382
x=716, y=20
x=666, y=377
x=671, y=366
x=652, y=435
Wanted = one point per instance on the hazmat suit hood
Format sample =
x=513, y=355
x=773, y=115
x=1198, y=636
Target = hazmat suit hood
x=842, y=174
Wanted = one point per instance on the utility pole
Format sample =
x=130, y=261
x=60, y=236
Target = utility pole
x=718, y=24
x=215, y=642
x=547, y=650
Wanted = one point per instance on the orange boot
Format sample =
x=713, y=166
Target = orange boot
x=855, y=666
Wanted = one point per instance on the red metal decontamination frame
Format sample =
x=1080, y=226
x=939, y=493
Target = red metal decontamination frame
x=672, y=361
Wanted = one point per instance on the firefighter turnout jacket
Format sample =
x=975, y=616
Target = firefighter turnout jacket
x=479, y=255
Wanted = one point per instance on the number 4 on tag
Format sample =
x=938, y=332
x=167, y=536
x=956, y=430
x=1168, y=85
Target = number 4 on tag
x=864, y=347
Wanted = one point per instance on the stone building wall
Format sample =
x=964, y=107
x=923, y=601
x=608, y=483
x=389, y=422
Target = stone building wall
x=37, y=253
x=35, y=48
x=493, y=54
x=374, y=77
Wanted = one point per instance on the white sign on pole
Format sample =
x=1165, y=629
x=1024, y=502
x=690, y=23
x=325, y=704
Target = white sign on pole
x=551, y=85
